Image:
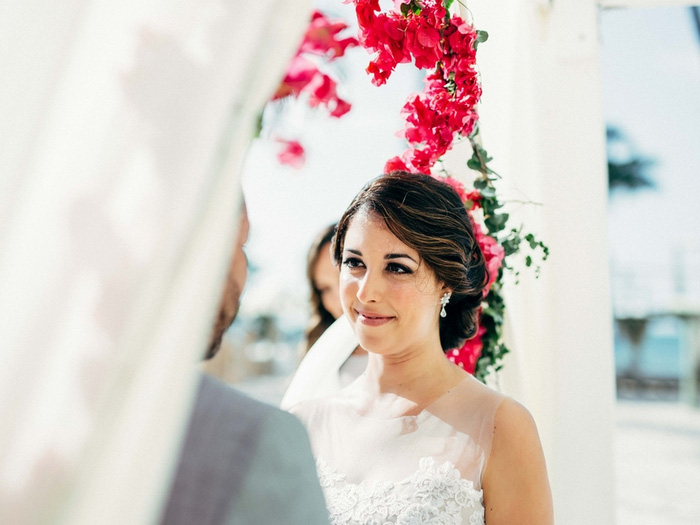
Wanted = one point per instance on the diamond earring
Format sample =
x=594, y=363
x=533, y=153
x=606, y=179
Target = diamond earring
x=443, y=301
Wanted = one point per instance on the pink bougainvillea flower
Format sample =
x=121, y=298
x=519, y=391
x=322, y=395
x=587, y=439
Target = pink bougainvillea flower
x=386, y=36
x=341, y=108
x=323, y=92
x=291, y=154
x=423, y=42
x=399, y=3
x=458, y=187
x=434, y=12
x=304, y=77
x=300, y=72
x=473, y=200
x=321, y=37
x=469, y=353
x=366, y=11
x=395, y=163
x=493, y=254
x=380, y=74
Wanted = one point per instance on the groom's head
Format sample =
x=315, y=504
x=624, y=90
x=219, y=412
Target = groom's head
x=235, y=281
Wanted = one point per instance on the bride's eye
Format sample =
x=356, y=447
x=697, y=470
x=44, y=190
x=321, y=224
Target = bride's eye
x=398, y=268
x=352, y=262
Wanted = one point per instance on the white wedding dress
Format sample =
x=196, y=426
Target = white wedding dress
x=380, y=466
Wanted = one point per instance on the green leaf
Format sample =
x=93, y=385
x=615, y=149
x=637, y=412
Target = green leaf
x=474, y=164
x=488, y=192
x=484, y=155
x=481, y=37
x=528, y=261
x=497, y=222
x=447, y=3
x=480, y=184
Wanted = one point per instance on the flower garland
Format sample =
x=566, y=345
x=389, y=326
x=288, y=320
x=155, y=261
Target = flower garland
x=426, y=33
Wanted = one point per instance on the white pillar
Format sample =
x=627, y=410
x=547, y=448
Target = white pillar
x=541, y=119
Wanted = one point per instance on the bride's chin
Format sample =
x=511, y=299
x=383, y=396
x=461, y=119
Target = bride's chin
x=373, y=346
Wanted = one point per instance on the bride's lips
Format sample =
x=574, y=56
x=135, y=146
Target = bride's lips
x=373, y=319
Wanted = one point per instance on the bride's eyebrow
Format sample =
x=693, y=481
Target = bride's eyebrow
x=399, y=256
x=388, y=256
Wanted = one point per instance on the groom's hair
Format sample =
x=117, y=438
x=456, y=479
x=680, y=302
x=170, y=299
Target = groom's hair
x=429, y=216
x=233, y=288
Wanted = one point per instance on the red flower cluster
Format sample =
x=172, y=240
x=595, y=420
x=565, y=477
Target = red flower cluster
x=291, y=153
x=322, y=37
x=471, y=199
x=467, y=356
x=303, y=76
x=493, y=254
x=423, y=31
x=397, y=38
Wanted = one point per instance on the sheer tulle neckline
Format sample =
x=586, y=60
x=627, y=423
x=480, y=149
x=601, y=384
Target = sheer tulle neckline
x=393, y=407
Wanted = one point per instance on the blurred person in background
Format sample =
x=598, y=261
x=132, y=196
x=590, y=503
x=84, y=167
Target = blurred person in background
x=242, y=461
x=323, y=273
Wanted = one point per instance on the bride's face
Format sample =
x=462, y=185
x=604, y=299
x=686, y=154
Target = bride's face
x=390, y=296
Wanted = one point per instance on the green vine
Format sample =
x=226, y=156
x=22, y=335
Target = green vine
x=496, y=223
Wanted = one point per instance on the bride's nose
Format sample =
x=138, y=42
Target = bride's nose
x=370, y=287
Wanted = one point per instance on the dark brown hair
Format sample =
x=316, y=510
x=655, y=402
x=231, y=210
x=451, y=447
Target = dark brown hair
x=429, y=216
x=321, y=318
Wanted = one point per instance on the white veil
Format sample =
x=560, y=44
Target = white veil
x=317, y=374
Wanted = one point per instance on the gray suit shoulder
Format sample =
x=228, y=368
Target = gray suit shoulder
x=282, y=485
x=224, y=452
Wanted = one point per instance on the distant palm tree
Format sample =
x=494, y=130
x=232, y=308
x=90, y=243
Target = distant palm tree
x=626, y=168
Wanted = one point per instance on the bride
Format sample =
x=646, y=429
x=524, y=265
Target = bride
x=415, y=439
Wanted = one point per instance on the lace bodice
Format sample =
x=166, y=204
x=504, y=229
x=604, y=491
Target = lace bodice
x=418, y=469
x=434, y=494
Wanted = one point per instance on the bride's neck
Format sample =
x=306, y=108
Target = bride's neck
x=415, y=376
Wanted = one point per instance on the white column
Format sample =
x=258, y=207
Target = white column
x=541, y=119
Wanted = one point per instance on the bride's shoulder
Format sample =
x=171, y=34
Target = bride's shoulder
x=472, y=394
x=503, y=425
x=471, y=408
x=512, y=423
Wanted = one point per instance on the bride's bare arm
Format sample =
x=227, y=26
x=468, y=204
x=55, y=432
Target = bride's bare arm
x=516, y=486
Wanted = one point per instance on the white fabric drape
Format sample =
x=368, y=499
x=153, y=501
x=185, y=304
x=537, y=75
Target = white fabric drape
x=317, y=375
x=541, y=120
x=124, y=127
